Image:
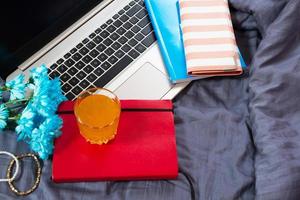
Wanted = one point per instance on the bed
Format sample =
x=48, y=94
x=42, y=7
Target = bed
x=237, y=137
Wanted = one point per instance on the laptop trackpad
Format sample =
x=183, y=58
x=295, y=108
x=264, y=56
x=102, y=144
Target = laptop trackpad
x=146, y=83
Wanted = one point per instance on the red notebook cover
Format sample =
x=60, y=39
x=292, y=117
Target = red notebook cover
x=144, y=147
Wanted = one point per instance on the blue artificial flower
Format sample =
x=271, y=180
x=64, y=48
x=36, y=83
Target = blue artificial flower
x=47, y=93
x=38, y=124
x=1, y=93
x=42, y=137
x=39, y=73
x=3, y=116
x=26, y=123
x=16, y=87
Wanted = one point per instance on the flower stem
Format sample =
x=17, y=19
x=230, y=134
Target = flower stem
x=16, y=101
x=14, y=118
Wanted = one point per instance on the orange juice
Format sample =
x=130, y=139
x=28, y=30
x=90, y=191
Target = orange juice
x=97, y=115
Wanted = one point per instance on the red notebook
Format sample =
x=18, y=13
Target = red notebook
x=144, y=147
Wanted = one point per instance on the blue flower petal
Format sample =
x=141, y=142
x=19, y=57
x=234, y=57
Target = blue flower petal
x=3, y=116
x=17, y=87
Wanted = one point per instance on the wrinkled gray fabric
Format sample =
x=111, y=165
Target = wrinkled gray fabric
x=237, y=138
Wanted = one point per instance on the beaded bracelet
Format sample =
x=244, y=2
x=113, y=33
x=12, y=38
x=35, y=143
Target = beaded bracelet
x=17, y=166
x=37, y=180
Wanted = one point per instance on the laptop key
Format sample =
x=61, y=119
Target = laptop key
x=114, y=36
x=116, y=45
x=147, y=29
x=92, y=35
x=65, y=77
x=78, y=46
x=109, y=51
x=129, y=34
x=133, y=10
x=76, y=56
x=76, y=90
x=54, y=74
x=91, y=78
x=101, y=47
x=117, y=23
x=72, y=71
x=73, y=81
x=104, y=34
x=73, y=50
x=121, y=31
x=60, y=61
x=141, y=14
x=135, y=29
x=134, y=54
x=123, y=40
x=139, y=37
x=83, y=51
x=66, y=87
x=144, y=22
x=105, y=66
x=121, y=12
x=107, y=42
x=115, y=16
x=111, y=28
x=103, y=26
x=67, y=55
x=86, y=40
x=126, y=7
x=70, y=96
x=109, y=21
x=141, y=3
x=95, y=63
x=126, y=48
x=87, y=59
x=124, y=18
x=140, y=48
x=131, y=3
x=81, y=75
x=53, y=67
x=90, y=45
x=127, y=25
x=79, y=65
x=62, y=68
x=150, y=39
x=113, y=60
x=97, y=39
x=88, y=69
x=98, y=30
x=102, y=57
x=132, y=42
x=69, y=62
x=84, y=84
x=94, y=53
x=113, y=71
x=98, y=71
x=134, y=20
x=119, y=54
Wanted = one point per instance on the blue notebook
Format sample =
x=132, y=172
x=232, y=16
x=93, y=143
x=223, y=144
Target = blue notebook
x=166, y=24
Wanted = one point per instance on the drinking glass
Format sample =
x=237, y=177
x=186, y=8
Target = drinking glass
x=97, y=112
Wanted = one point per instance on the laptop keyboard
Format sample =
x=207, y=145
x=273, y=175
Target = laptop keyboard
x=107, y=51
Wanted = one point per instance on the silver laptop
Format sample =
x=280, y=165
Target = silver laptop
x=87, y=43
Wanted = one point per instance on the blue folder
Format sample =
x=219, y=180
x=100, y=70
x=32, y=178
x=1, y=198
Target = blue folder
x=166, y=24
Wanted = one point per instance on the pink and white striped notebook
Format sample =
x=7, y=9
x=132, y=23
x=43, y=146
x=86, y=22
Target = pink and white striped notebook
x=208, y=37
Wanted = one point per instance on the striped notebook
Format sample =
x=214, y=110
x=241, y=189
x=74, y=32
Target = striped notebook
x=208, y=37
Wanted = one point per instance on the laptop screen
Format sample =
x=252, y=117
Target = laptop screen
x=26, y=26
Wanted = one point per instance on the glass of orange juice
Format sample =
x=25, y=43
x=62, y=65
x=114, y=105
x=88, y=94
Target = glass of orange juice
x=97, y=111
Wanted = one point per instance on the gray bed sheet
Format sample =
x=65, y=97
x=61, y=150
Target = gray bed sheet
x=237, y=137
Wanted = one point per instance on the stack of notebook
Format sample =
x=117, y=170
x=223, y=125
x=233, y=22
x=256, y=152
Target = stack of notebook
x=196, y=38
x=208, y=37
